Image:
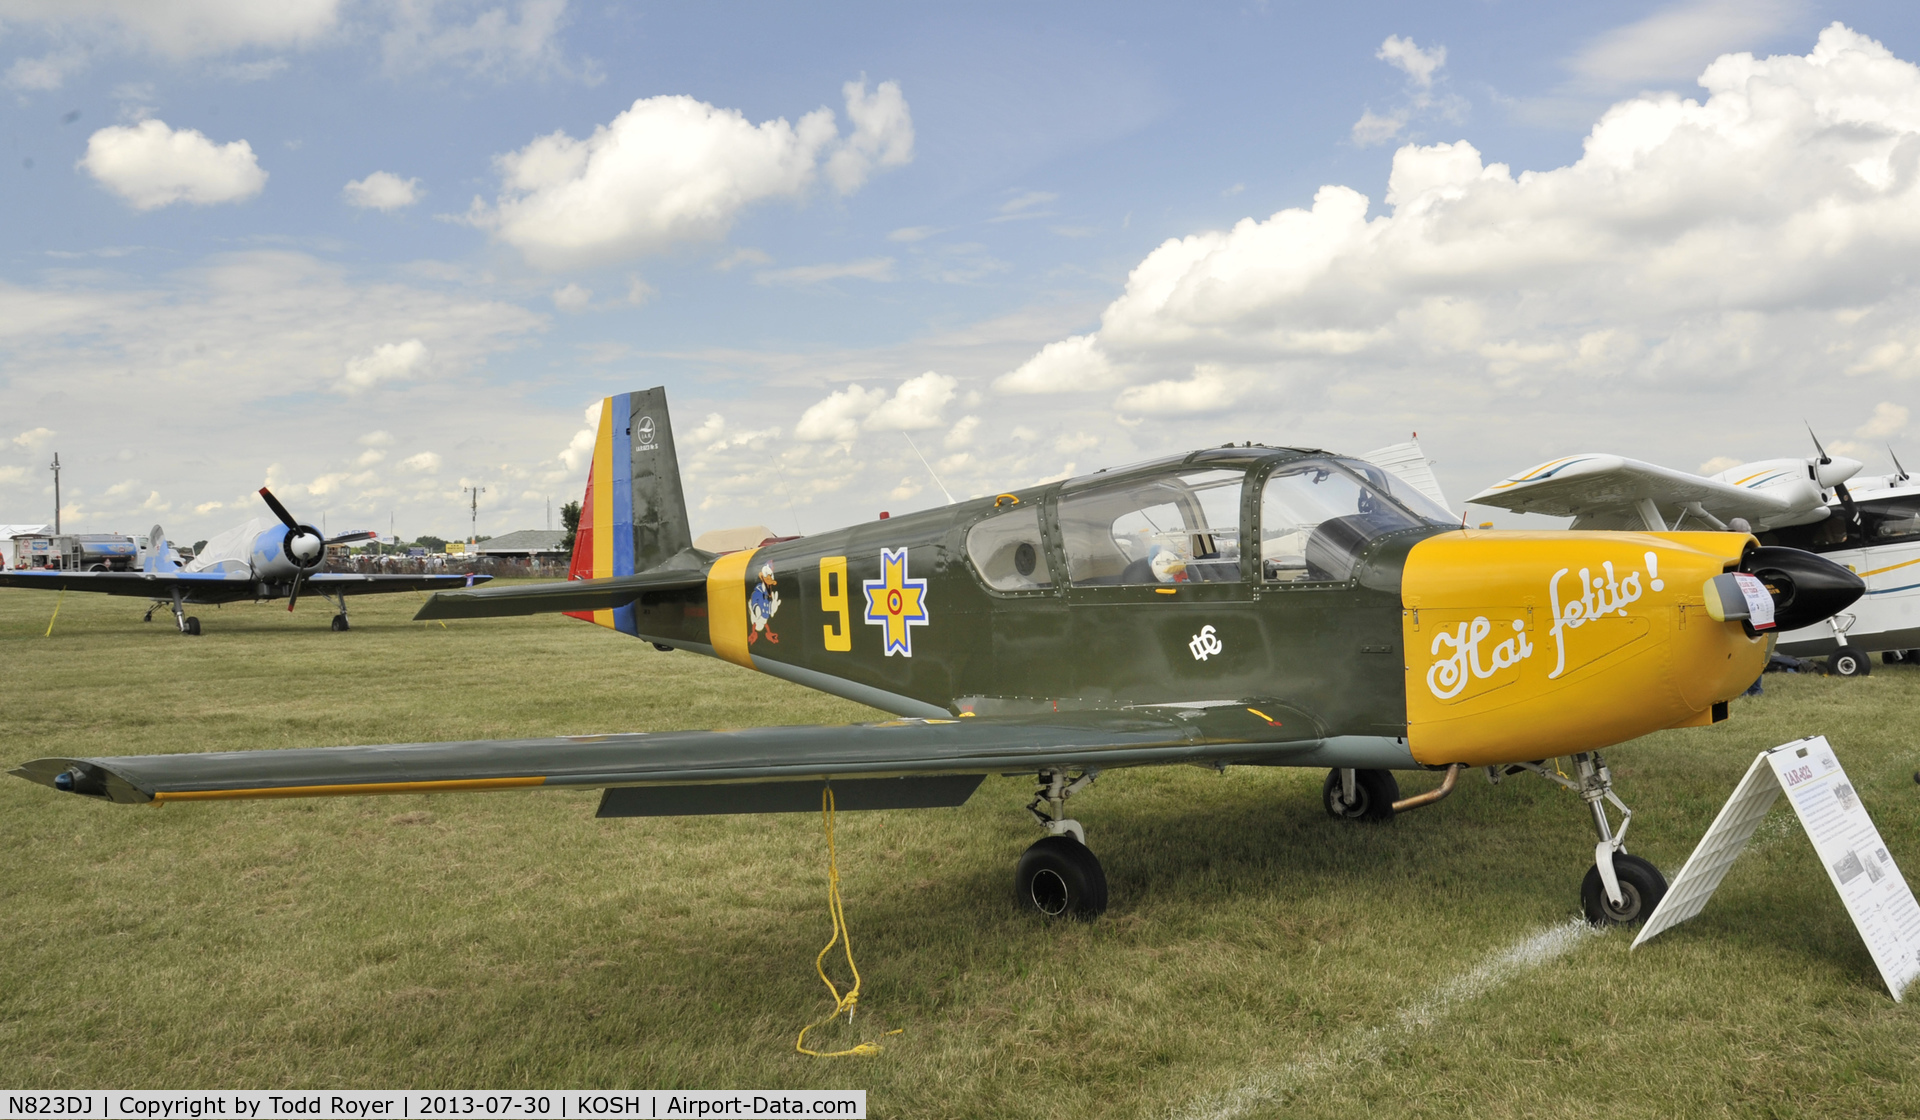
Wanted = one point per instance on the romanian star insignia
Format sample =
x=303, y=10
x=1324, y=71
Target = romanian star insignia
x=896, y=602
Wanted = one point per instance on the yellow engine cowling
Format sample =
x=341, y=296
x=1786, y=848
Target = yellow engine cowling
x=1526, y=645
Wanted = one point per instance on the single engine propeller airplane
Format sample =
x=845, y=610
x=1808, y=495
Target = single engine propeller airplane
x=1245, y=605
x=1872, y=529
x=258, y=560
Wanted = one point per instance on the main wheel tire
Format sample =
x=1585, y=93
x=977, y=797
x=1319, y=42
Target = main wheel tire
x=339, y=623
x=1374, y=792
x=1641, y=889
x=193, y=626
x=1059, y=878
x=1849, y=662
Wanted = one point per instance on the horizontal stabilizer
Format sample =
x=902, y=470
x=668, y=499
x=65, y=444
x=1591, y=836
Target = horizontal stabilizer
x=566, y=595
x=919, y=748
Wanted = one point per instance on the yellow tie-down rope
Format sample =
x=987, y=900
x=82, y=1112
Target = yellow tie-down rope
x=838, y=911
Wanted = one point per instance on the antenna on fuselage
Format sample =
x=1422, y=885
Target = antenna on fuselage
x=929, y=466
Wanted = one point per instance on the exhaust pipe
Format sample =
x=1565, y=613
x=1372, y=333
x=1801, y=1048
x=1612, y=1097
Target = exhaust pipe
x=1422, y=800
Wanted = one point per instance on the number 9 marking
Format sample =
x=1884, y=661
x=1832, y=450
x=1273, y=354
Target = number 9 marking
x=833, y=600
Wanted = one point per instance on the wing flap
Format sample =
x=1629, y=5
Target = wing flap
x=901, y=747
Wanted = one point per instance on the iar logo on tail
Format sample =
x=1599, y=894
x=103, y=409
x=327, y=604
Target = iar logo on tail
x=896, y=602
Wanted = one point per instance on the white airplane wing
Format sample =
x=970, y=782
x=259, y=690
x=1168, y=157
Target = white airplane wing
x=1612, y=491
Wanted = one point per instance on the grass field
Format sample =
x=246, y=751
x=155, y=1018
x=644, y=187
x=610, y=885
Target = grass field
x=1258, y=958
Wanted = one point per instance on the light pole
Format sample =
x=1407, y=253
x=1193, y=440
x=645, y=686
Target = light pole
x=474, y=493
x=56, y=493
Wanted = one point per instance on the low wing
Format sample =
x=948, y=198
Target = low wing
x=352, y=583
x=734, y=767
x=160, y=585
x=146, y=585
x=1592, y=487
x=568, y=595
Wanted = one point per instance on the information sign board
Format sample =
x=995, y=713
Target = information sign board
x=1844, y=837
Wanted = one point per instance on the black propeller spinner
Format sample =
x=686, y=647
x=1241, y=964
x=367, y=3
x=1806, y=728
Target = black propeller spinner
x=303, y=544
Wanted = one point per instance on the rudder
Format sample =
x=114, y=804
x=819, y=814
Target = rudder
x=634, y=515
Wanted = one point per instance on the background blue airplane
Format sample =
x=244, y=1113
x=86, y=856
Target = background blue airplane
x=259, y=561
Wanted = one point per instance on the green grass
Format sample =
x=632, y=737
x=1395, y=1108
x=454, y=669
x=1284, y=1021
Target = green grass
x=1257, y=955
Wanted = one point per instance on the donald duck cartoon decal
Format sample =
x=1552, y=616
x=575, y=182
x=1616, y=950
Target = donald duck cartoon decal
x=762, y=604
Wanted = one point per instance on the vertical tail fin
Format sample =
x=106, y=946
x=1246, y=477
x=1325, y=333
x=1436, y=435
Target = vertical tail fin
x=634, y=515
x=159, y=558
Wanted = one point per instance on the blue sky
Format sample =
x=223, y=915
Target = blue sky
x=184, y=320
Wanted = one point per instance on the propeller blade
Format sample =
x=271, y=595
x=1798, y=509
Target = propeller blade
x=353, y=537
x=279, y=510
x=1897, y=468
x=295, y=596
x=1824, y=457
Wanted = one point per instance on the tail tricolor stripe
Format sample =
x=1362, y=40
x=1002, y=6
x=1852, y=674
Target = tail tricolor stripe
x=603, y=546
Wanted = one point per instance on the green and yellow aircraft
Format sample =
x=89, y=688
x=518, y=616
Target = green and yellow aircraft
x=1242, y=605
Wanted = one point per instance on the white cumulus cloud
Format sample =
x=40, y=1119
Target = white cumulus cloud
x=392, y=361
x=673, y=169
x=426, y=462
x=500, y=39
x=1888, y=419
x=1419, y=65
x=1649, y=265
x=150, y=166
x=915, y=405
x=1064, y=366
x=182, y=29
x=1208, y=390
x=383, y=191
x=882, y=135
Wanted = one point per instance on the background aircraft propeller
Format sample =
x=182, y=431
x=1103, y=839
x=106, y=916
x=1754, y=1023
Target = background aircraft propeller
x=303, y=544
x=1839, y=488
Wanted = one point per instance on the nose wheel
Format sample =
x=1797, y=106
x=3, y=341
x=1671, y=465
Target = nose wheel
x=1641, y=888
x=1619, y=889
x=1058, y=877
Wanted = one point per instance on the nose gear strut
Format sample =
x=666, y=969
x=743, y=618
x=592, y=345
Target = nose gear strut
x=1620, y=889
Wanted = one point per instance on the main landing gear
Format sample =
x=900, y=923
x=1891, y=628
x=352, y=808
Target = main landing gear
x=1360, y=795
x=1619, y=889
x=1058, y=876
x=1373, y=795
x=339, y=623
x=187, y=624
